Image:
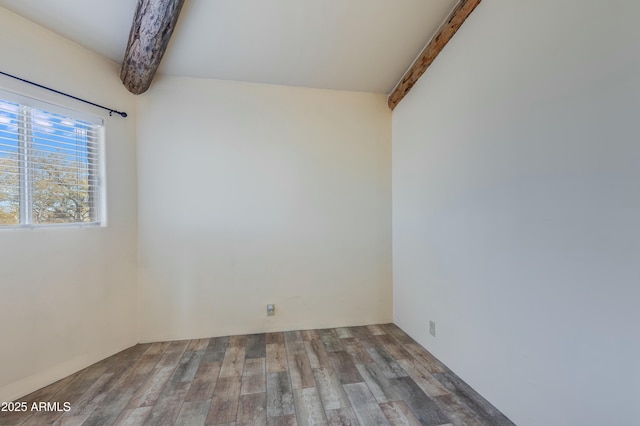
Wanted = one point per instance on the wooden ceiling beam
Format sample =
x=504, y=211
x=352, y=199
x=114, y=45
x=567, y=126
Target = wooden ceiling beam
x=151, y=30
x=431, y=51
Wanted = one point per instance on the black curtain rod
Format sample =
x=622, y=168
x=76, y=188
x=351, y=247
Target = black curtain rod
x=111, y=110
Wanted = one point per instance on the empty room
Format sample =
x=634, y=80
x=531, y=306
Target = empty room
x=337, y=212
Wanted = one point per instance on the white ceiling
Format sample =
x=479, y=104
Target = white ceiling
x=362, y=45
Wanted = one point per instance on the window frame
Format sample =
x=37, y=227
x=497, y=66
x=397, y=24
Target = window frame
x=99, y=188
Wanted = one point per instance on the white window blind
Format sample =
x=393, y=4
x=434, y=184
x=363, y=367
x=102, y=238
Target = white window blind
x=49, y=164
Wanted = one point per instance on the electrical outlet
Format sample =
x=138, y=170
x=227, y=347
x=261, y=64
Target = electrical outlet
x=432, y=328
x=271, y=310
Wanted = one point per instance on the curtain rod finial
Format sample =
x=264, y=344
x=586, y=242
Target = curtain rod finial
x=120, y=113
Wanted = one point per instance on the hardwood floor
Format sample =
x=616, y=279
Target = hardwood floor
x=373, y=375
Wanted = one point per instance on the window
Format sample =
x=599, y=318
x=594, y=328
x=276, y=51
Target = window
x=49, y=164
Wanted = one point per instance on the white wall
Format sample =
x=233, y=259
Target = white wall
x=68, y=295
x=253, y=194
x=516, y=209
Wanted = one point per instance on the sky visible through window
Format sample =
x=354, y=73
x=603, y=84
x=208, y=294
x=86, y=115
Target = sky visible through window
x=55, y=156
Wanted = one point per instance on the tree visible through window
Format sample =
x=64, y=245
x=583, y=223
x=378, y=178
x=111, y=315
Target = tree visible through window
x=49, y=167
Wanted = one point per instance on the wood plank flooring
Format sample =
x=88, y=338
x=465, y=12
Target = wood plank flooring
x=373, y=375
